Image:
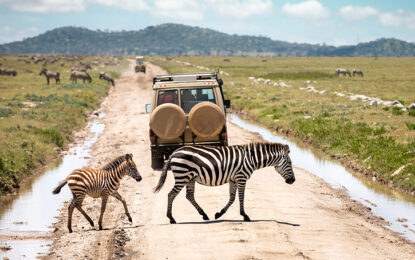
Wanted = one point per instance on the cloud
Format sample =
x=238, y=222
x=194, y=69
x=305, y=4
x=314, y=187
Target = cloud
x=45, y=6
x=308, y=10
x=399, y=18
x=240, y=9
x=357, y=13
x=129, y=5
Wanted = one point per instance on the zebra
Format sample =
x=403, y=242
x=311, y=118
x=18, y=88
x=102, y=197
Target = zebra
x=106, y=77
x=357, y=72
x=97, y=183
x=50, y=74
x=217, y=165
x=342, y=71
x=75, y=75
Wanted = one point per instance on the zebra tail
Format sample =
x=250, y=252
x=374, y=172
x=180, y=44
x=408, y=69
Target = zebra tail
x=163, y=176
x=59, y=187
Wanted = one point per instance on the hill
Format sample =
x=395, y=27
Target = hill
x=177, y=39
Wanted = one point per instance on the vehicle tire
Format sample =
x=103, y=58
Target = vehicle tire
x=168, y=121
x=206, y=119
x=157, y=160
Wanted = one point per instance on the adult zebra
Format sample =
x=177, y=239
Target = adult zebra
x=217, y=165
x=97, y=183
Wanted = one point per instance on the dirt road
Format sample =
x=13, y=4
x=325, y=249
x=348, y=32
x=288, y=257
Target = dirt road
x=305, y=220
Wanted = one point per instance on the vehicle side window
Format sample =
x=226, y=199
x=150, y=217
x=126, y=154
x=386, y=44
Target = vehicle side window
x=167, y=96
x=191, y=97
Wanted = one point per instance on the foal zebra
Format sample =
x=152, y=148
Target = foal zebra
x=97, y=183
x=50, y=74
x=217, y=165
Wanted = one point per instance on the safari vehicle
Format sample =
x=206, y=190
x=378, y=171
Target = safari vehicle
x=139, y=64
x=186, y=109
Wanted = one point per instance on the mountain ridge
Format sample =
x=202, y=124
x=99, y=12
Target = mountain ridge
x=178, y=39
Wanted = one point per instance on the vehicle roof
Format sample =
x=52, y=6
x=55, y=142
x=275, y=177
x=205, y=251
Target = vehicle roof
x=185, y=84
x=186, y=80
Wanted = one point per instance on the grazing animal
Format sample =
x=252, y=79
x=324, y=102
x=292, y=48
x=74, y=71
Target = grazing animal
x=8, y=72
x=344, y=72
x=106, y=77
x=217, y=165
x=97, y=183
x=51, y=74
x=357, y=72
x=75, y=75
x=227, y=60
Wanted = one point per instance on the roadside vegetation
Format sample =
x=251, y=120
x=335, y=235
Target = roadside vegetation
x=37, y=120
x=377, y=141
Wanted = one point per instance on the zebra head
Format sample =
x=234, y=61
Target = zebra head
x=284, y=165
x=43, y=71
x=132, y=168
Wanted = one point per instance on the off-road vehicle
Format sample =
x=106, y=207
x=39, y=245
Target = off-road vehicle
x=139, y=64
x=186, y=109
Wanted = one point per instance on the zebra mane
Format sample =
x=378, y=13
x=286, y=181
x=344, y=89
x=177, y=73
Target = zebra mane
x=257, y=144
x=114, y=163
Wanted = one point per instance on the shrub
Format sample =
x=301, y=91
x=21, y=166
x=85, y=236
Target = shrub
x=397, y=111
x=410, y=125
x=5, y=112
x=53, y=135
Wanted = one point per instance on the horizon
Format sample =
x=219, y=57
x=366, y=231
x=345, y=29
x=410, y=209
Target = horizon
x=339, y=23
x=116, y=31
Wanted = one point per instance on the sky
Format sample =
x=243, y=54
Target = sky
x=331, y=22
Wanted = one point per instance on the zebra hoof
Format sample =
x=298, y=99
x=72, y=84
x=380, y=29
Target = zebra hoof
x=205, y=217
x=92, y=223
x=100, y=227
x=70, y=230
x=172, y=221
x=130, y=219
x=218, y=215
x=246, y=218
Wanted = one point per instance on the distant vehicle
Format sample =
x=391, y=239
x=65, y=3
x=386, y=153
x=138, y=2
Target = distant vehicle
x=139, y=64
x=186, y=109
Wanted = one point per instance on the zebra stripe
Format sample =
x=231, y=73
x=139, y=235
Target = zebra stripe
x=97, y=183
x=218, y=165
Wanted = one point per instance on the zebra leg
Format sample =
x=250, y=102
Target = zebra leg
x=104, y=200
x=241, y=193
x=78, y=205
x=232, y=193
x=118, y=197
x=75, y=201
x=172, y=194
x=190, y=195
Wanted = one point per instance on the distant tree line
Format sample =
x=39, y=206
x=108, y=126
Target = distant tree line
x=177, y=39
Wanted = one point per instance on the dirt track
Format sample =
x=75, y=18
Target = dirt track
x=305, y=220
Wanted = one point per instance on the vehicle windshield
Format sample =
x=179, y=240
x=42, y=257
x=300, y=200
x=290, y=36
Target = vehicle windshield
x=191, y=97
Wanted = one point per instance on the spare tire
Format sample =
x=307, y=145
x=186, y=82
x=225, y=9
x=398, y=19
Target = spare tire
x=168, y=121
x=206, y=119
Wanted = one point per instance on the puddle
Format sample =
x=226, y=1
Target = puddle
x=386, y=203
x=26, y=218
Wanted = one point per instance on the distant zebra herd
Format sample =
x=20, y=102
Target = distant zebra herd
x=206, y=165
x=345, y=72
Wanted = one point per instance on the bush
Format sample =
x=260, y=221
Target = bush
x=53, y=135
x=397, y=111
x=5, y=112
x=410, y=125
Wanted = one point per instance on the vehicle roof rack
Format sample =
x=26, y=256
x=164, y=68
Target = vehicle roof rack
x=186, y=77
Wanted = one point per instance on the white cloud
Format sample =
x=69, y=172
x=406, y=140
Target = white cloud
x=45, y=6
x=400, y=18
x=240, y=9
x=309, y=10
x=357, y=13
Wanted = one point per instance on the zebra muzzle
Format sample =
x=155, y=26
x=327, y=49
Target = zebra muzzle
x=290, y=180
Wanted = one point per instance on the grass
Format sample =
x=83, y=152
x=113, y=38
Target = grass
x=37, y=120
x=379, y=139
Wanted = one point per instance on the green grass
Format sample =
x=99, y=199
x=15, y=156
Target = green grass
x=379, y=139
x=37, y=120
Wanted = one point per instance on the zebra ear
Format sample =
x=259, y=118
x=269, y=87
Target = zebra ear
x=286, y=148
x=128, y=156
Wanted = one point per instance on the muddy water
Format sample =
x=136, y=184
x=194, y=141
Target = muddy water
x=25, y=220
x=391, y=205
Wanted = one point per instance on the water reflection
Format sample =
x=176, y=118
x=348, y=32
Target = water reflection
x=32, y=211
x=390, y=205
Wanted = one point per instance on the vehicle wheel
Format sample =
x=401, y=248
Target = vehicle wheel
x=157, y=161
